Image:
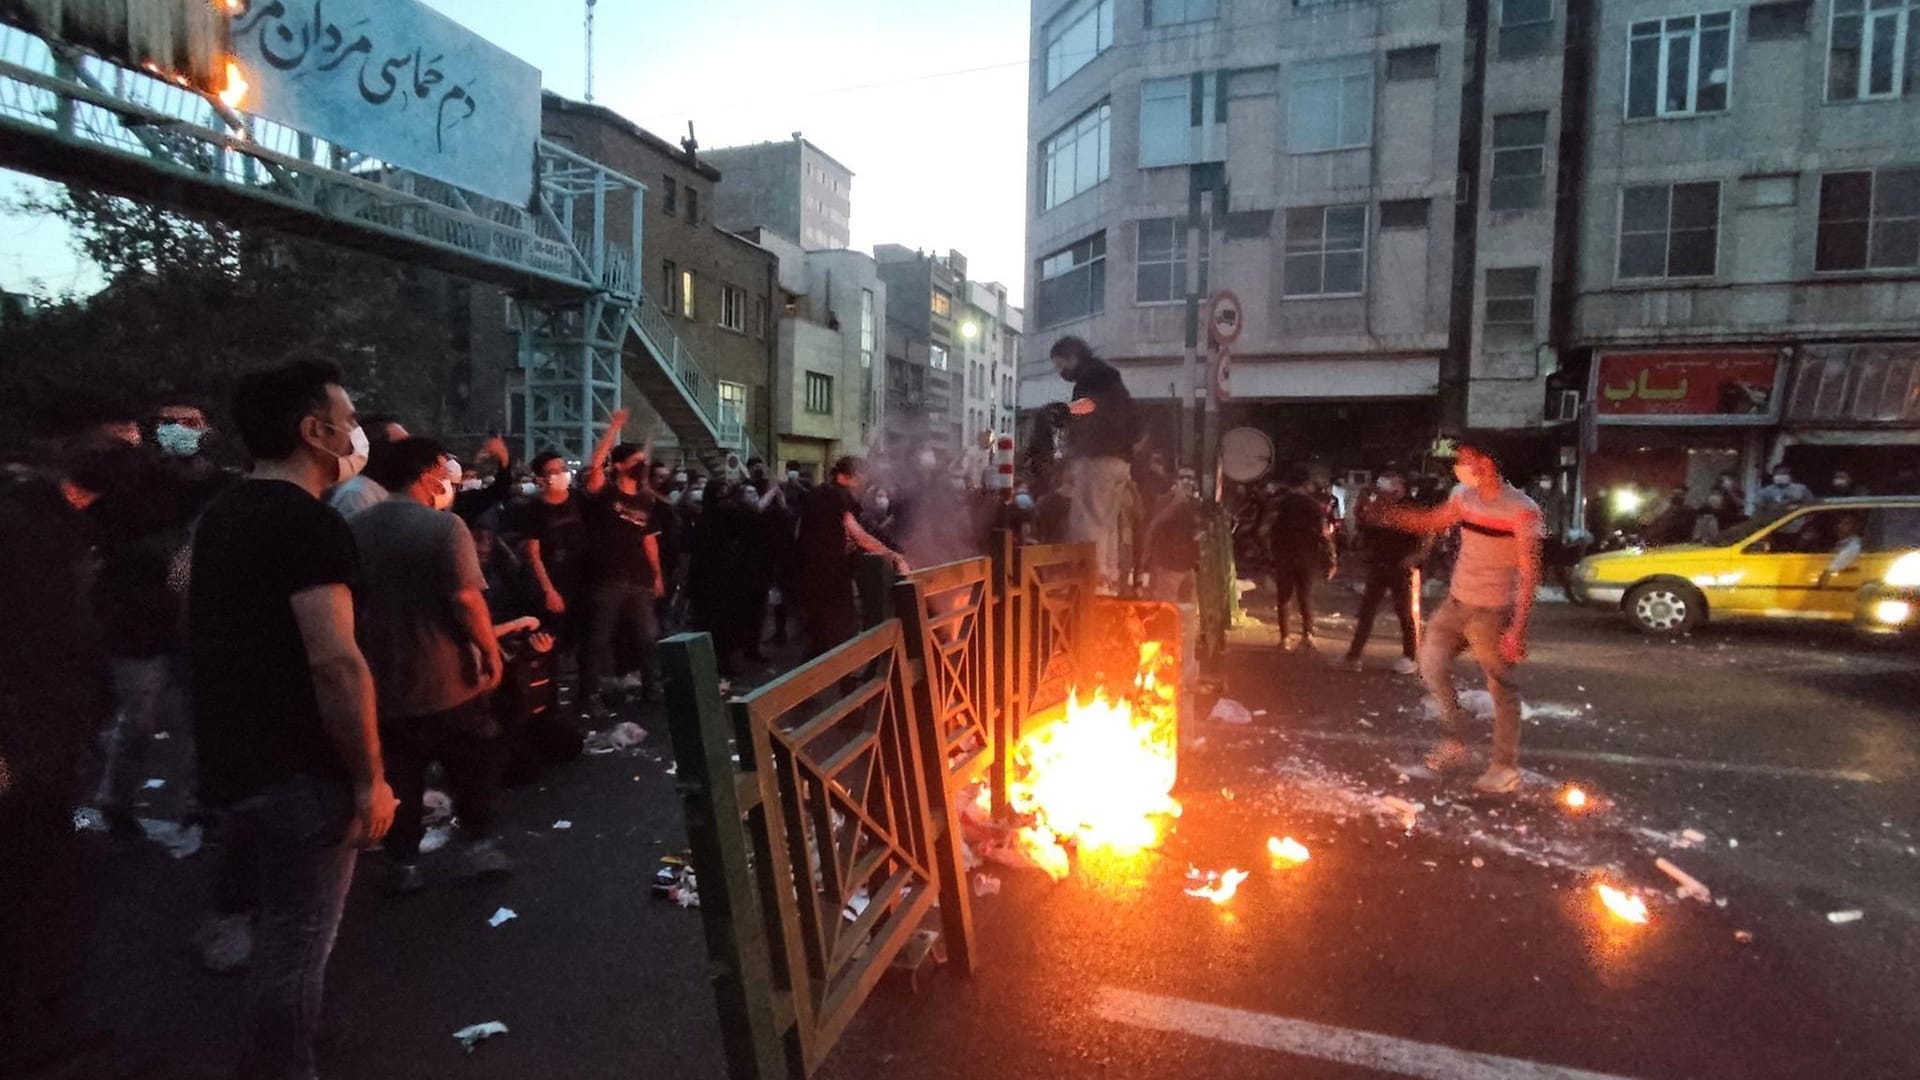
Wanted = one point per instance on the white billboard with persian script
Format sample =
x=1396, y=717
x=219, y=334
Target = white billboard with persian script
x=396, y=80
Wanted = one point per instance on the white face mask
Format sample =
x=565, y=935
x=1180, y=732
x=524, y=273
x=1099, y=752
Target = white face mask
x=927, y=460
x=454, y=472
x=1782, y=479
x=472, y=483
x=679, y=478
x=697, y=494
x=561, y=482
x=178, y=439
x=528, y=487
x=880, y=504
x=355, y=459
x=792, y=475
x=1383, y=484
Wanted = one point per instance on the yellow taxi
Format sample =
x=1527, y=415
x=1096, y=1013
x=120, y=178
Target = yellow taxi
x=1836, y=561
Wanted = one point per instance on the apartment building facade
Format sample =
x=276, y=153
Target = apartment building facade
x=924, y=294
x=989, y=354
x=792, y=187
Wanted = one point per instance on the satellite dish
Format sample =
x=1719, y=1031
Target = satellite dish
x=1246, y=454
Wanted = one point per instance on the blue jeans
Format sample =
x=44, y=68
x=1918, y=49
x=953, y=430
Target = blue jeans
x=304, y=866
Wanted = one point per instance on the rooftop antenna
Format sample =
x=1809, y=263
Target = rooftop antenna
x=590, y=4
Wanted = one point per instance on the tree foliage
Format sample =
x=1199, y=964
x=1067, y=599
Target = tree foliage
x=189, y=305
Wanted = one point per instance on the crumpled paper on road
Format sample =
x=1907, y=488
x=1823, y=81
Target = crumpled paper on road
x=473, y=1035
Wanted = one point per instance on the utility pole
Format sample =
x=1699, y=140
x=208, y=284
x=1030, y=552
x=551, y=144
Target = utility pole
x=1205, y=194
x=590, y=4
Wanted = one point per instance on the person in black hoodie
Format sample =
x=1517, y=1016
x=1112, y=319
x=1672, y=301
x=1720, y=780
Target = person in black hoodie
x=1100, y=437
x=1393, y=560
x=1302, y=553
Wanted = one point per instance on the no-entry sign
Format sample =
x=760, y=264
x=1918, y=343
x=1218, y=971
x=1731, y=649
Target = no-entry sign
x=1224, y=319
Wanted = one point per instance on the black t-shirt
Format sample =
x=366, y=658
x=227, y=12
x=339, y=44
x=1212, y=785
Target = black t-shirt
x=561, y=530
x=256, y=716
x=618, y=525
x=1298, y=531
x=823, y=541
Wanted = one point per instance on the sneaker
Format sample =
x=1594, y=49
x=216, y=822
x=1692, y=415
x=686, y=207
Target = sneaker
x=1406, y=665
x=1351, y=663
x=483, y=859
x=224, y=943
x=1498, y=780
x=405, y=879
x=1448, y=754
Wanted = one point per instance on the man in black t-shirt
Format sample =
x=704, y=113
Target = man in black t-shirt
x=623, y=545
x=1302, y=551
x=283, y=701
x=1393, y=561
x=830, y=534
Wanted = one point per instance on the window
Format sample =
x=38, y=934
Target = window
x=1868, y=55
x=1418, y=62
x=819, y=394
x=732, y=414
x=1526, y=28
x=1510, y=300
x=1075, y=36
x=1519, y=161
x=733, y=308
x=1330, y=105
x=669, y=195
x=1669, y=231
x=1774, y=22
x=687, y=310
x=1073, y=282
x=1171, y=12
x=1076, y=157
x=1679, y=66
x=670, y=293
x=1403, y=214
x=866, y=328
x=937, y=357
x=1326, y=252
x=1869, y=221
x=1174, y=117
x=1161, y=274
x=942, y=304
x=693, y=206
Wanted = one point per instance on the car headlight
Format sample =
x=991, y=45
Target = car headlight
x=1905, y=571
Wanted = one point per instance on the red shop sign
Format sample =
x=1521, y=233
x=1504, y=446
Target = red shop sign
x=1718, y=386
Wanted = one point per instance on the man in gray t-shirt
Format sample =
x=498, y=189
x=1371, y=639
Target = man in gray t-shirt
x=1489, y=600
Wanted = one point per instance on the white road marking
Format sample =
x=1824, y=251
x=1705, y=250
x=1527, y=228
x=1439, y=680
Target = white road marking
x=1345, y=1046
x=1785, y=772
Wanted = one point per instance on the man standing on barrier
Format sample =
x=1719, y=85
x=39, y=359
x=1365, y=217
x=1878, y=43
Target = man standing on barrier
x=1100, y=435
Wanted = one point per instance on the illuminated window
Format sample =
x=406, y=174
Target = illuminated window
x=819, y=394
x=687, y=310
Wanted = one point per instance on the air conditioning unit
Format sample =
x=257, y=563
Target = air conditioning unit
x=1565, y=407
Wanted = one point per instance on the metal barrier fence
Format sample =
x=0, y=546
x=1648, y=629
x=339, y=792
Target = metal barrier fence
x=821, y=809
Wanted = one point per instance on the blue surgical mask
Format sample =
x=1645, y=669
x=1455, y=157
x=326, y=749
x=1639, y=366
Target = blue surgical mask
x=178, y=439
x=1023, y=500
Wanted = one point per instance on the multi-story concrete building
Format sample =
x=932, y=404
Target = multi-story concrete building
x=794, y=188
x=1324, y=143
x=832, y=308
x=1747, y=281
x=923, y=295
x=988, y=353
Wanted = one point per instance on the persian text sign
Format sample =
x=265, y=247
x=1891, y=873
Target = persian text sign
x=398, y=81
x=1719, y=386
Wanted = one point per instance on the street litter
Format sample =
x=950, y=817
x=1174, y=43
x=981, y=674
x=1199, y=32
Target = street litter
x=622, y=736
x=162, y=736
x=857, y=905
x=179, y=840
x=1229, y=711
x=471, y=1036
x=1622, y=906
x=563, y=823
x=986, y=885
x=502, y=917
x=1693, y=836
x=1409, y=812
x=154, y=784
x=674, y=880
x=1479, y=863
x=437, y=804
x=435, y=838
x=88, y=819
x=1838, y=918
x=1744, y=937
x=1288, y=849
x=1690, y=886
x=1217, y=887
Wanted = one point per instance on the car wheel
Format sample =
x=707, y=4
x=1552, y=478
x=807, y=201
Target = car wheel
x=1665, y=608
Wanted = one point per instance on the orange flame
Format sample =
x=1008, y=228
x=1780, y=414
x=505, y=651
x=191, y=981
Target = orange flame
x=1219, y=889
x=237, y=86
x=1103, y=775
x=1623, y=907
x=1288, y=850
x=1574, y=798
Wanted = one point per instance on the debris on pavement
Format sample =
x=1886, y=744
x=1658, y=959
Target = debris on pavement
x=88, y=819
x=1409, y=812
x=986, y=885
x=674, y=880
x=1744, y=937
x=1034, y=847
x=1288, y=849
x=471, y=1036
x=437, y=804
x=1216, y=887
x=1839, y=918
x=624, y=735
x=502, y=916
x=1690, y=886
x=179, y=840
x=153, y=784
x=1229, y=711
x=435, y=838
x=563, y=823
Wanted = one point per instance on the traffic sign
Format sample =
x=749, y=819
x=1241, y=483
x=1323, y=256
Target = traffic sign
x=1224, y=318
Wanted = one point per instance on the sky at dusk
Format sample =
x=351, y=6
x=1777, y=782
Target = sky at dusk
x=924, y=101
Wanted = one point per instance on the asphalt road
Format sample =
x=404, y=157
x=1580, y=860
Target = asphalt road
x=1778, y=767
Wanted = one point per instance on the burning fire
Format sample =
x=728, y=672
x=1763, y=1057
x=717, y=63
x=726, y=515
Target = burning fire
x=1574, y=798
x=1624, y=907
x=1102, y=776
x=237, y=86
x=1288, y=850
x=1219, y=887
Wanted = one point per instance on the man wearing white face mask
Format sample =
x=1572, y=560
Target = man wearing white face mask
x=283, y=702
x=356, y=490
x=422, y=621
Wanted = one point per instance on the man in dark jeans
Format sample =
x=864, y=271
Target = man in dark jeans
x=420, y=601
x=1393, y=560
x=1302, y=554
x=283, y=701
x=830, y=536
x=623, y=558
